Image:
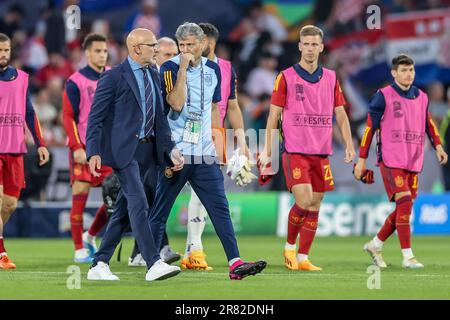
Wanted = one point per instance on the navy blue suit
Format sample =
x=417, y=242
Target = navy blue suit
x=114, y=124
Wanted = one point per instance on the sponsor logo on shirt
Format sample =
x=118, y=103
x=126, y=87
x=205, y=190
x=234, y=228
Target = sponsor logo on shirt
x=312, y=120
x=407, y=137
x=11, y=120
x=398, y=113
x=208, y=80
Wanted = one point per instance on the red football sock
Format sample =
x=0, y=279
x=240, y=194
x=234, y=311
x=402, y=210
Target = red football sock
x=76, y=218
x=388, y=228
x=308, y=232
x=2, y=246
x=404, y=207
x=101, y=218
x=295, y=221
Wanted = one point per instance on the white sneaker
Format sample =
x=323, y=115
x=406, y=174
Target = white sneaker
x=412, y=263
x=101, y=272
x=89, y=243
x=137, y=261
x=82, y=256
x=168, y=255
x=375, y=254
x=161, y=270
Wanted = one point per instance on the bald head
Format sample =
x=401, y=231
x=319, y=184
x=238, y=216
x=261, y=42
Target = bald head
x=137, y=36
x=167, y=49
x=166, y=41
x=142, y=46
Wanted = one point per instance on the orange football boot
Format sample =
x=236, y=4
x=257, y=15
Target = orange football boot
x=6, y=263
x=308, y=266
x=290, y=259
x=197, y=261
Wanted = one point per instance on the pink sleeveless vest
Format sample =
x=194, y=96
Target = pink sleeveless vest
x=403, y=130
x=12, y=114
x=87, y=90
x=307, y=118
x=225, y=90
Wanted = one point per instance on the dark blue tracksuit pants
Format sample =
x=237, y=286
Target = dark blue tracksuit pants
x=132, y=208
x=207, y=182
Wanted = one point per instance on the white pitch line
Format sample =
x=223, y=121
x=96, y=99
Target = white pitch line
x=199, y=274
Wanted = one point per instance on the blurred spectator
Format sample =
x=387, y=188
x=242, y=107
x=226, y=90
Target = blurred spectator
x=168, y=49
x=347, y=16
x=77, y=58
x=248, y=34
x=266, y=21
x=251, y=31
x=55, y=90
x=46, y=112
x=55, y=28
x=102, y=26
x=58, y=66
x=12, y=21
x=245, y=103
x=71, y=34
x=263, y=46
x=260, y=112
x=34, y=53
x=262, y=78
x=399, y=6
x=48, y=116
x=147, y=18
x=223, y=51
x=436, y=101
x=36, y=176
x=445, y=136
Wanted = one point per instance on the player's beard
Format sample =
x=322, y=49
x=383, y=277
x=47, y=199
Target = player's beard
x=4, y=63
x=206, y=51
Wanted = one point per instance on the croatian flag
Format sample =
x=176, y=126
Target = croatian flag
x=365, y=56
x=425, y=36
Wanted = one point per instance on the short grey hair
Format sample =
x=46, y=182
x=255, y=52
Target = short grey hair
x=188, y=29
x=166, y=40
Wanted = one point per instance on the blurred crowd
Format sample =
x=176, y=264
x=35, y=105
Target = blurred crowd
x=259, y=46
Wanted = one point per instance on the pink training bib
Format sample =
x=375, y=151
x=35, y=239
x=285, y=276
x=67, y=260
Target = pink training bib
x=12, y=114
x=307, y=118
x=225, y=87
x=87, y=89
x=402, y=130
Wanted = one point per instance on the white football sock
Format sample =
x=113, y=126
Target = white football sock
x=89, y=237
x=196, y=222
x=232, y=261
x=302, y=257
x=407, y=254
x=289, y=246
x=377, y=242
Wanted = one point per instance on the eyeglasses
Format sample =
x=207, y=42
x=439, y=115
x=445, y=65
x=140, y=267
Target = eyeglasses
x=151, y=45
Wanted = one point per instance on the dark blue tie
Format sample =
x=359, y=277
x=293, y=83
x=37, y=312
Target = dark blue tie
x=148, y=129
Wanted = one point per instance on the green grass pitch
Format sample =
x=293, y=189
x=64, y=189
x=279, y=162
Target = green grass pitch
x=42, y=265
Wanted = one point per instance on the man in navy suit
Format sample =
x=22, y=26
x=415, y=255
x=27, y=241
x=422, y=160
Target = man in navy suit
x=128, y=131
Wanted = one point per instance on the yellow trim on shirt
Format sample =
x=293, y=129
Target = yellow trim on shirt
x=75, y=129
